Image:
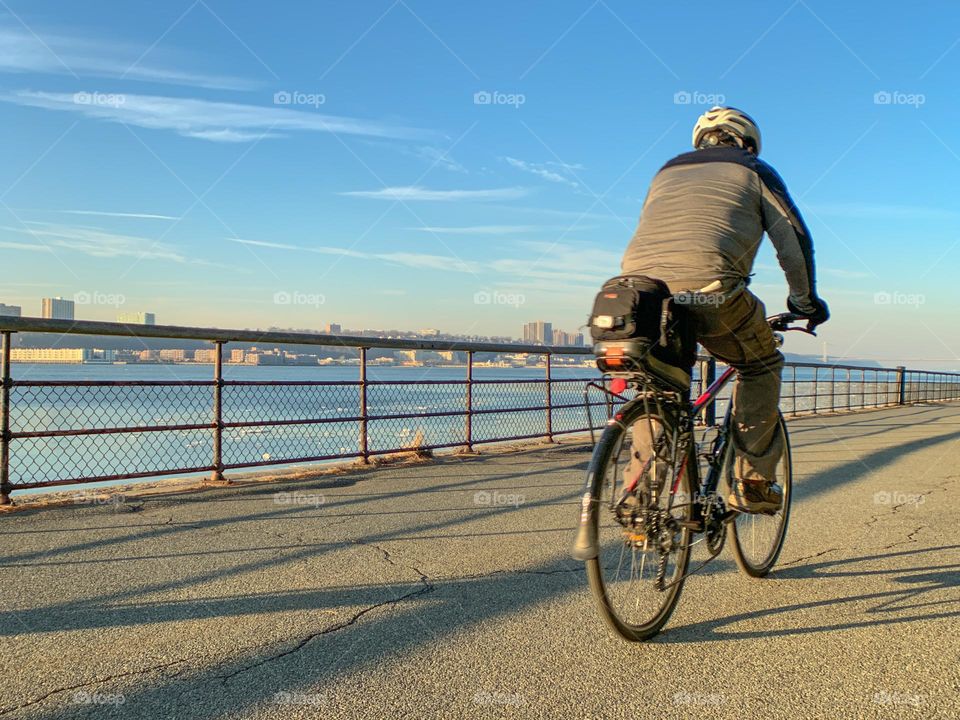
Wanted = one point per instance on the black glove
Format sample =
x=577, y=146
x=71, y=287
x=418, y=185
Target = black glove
x=819, y=315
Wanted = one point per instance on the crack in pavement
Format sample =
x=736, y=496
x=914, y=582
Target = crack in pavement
x=426, y=587
x=911, y=538
x=807, y=557
x=98, y=681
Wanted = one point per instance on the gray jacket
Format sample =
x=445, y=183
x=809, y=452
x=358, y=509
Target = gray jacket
x=703, y=220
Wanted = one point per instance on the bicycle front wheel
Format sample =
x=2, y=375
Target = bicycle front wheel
x=757, y=537
x=643, y=551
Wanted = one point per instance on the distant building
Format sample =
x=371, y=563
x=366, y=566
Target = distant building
x=566, y=339
x=173, y=355
x=149, y=356
x=57, y=309
x=10, y=310
x=334, y=329
x=538, y=333
x=50, y=355
x=137, y=318
x=428, y=332
x=208, y=355
x=264, y=357
x=238, y=355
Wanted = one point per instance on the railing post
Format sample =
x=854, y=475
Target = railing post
x=833, y=384
x=549, y=399
x=364, y=447
x=816, y=388
x=216, y=476
x=708, y=374
x=5, y=487
x=468, y=430
x=901, y=385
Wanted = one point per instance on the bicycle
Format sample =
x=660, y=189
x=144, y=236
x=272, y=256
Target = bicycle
x=635, y=535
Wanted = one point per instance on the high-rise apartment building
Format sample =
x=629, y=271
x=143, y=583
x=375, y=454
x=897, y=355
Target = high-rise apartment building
x=57, y=309
x=538, y=333
x=10, y=310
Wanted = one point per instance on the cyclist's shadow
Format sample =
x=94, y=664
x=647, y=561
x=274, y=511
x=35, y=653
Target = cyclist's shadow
x=916, y=601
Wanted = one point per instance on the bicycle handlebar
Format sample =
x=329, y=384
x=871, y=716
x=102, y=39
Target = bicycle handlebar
x=781, y=323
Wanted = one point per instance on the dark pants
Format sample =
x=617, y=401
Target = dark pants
x=735, y=331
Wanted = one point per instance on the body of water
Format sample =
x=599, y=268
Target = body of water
x=506, y=401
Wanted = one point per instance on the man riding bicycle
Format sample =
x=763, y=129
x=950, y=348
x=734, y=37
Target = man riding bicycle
x=702, y=222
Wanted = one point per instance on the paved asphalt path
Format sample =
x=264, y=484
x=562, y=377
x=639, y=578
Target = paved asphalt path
x=444, y=590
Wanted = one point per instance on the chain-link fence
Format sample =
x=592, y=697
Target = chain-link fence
x=60, y=432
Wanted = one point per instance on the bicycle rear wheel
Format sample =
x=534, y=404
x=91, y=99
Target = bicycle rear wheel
x=637, y=576
x=757, y=537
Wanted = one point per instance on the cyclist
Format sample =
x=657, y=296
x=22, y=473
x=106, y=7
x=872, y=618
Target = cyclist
x=702, y=222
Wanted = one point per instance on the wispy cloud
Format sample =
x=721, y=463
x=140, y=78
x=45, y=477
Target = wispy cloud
x=413, y=260
x=205, y=119
x=103, y=213
x=485, y=229
x=97, y=243
x=553, y=171
x=22, y=51
x=563, y=265
x=413, y=192
x=32, y=247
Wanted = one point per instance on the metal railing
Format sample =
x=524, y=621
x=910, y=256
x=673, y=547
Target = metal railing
x=65, y=432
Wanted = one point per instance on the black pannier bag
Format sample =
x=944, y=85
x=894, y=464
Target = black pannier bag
x=637, y=328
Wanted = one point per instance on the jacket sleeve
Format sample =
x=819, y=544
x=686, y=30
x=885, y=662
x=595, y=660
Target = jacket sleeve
x=790, y=237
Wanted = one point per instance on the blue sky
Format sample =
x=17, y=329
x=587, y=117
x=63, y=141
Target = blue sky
x=240, y=164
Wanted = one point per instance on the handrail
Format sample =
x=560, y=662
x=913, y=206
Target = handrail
x=179, y=332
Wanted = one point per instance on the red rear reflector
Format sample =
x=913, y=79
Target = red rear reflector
x=616, y=362
x=618, y=385
x=614, y=351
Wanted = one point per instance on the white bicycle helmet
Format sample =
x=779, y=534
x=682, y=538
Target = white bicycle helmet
x=736, y=122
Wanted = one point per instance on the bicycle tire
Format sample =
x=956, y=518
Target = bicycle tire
x=738, y=527
x=610, y=441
